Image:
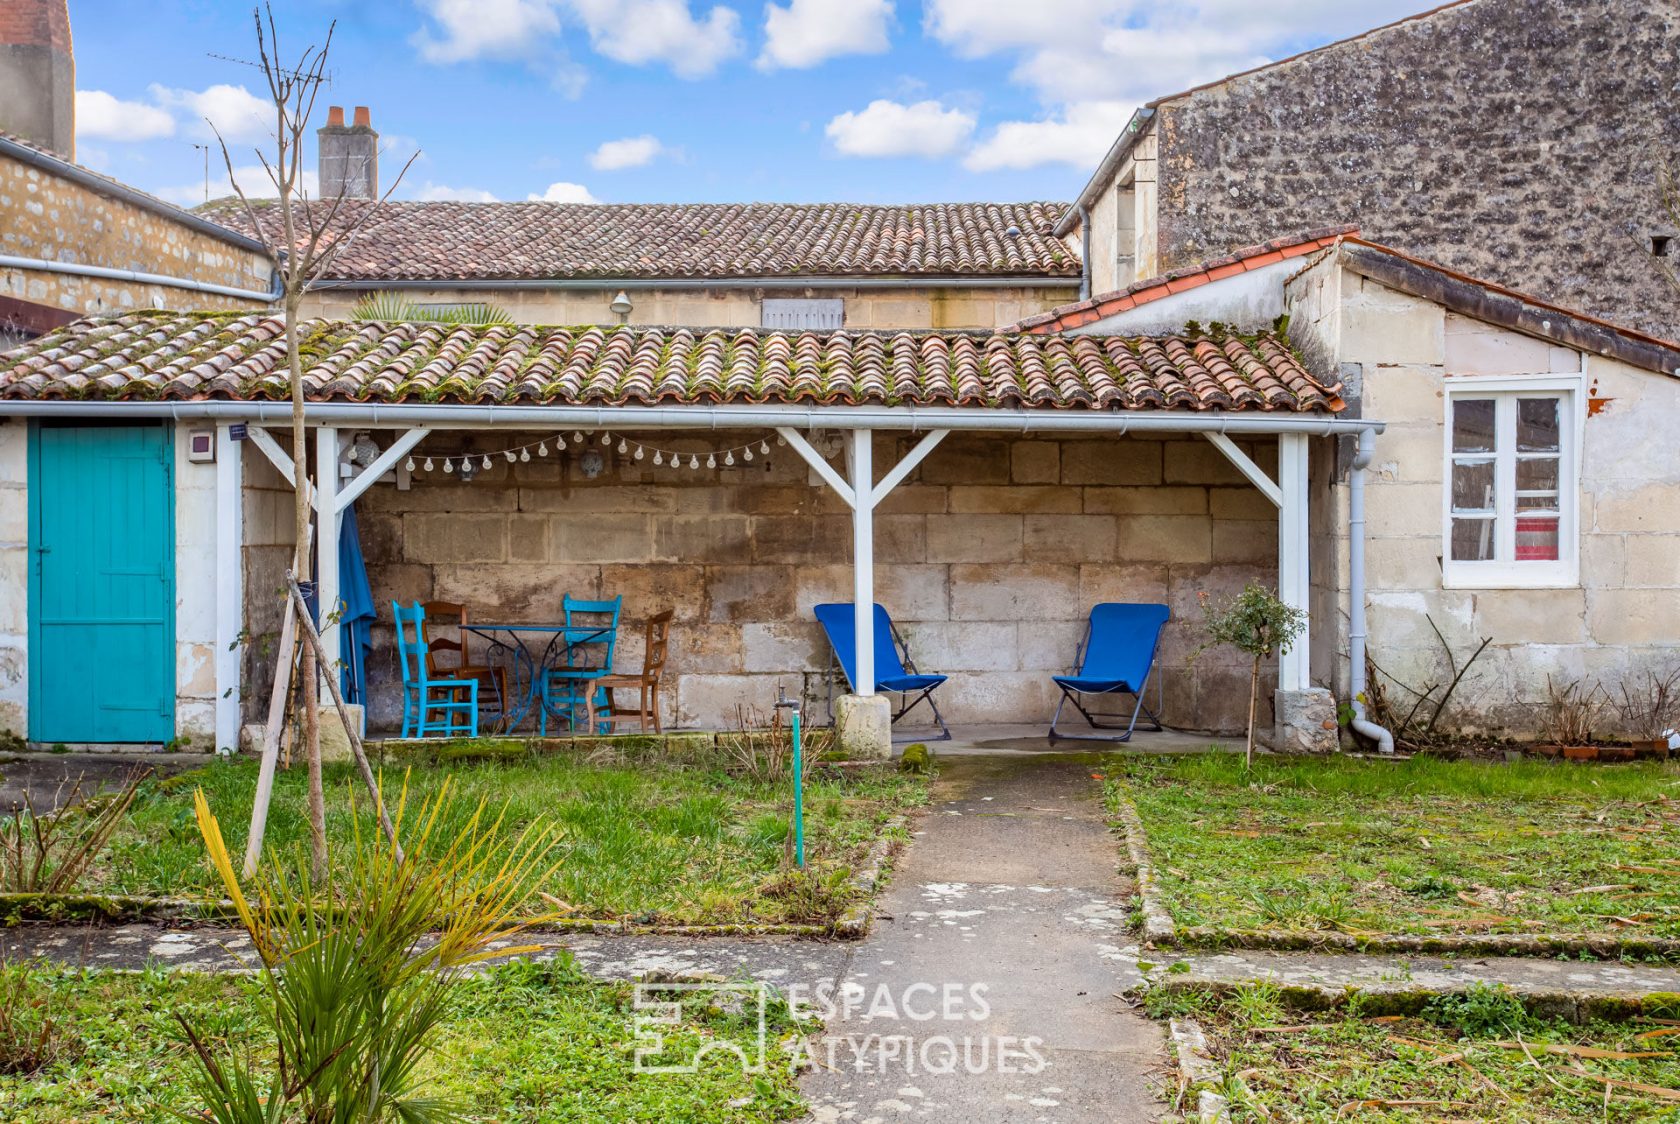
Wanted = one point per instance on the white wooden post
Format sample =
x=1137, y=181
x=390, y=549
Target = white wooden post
x=1294, y=544
x=326, y=541
x=230, y=584
x=861, y=467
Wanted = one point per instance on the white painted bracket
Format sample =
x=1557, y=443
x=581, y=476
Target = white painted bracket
x=822, y=468
x=906, y=466
x=364, y=479
x=1245, y=465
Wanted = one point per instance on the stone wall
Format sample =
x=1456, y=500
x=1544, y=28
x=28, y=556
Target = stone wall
x=47, y=216
x=1619, y=619
x=924, y=307
x=269, y=534
x=988, y=557
x=1514, y=140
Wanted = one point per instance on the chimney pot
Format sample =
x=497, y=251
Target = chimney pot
x=335, y=115
x=363, y=119
x=349, y=156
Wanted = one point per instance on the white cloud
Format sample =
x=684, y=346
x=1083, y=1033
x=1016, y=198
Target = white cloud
x=98, y=114
x=890, y=128
x=563, y=192
x=631, y=152
x=1124, y=53
x=639, y=32
x=1078, y=135
x=430, y=192
x=807, y=32
x=475, y=29
x=237, y=114
x=251, y=178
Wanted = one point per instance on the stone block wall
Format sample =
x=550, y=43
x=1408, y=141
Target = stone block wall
x=1622, y=616
x=922, y=307
x=46, y=216
x=269, y=531
x=988, y=557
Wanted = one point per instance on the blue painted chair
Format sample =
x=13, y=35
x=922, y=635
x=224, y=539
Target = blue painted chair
x=442, y=707
x=895, y=671
x=1116, y=657
x=566, y=689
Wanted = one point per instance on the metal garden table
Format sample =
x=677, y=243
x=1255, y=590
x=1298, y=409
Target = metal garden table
x=529, y=651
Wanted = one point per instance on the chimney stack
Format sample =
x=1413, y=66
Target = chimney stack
x=349, y=155
x=38, y=74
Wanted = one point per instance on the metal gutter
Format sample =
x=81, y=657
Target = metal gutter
x=11, y=261
x=902, y=418
x=1105, y=171
x=75, y=173
x=1013, y=281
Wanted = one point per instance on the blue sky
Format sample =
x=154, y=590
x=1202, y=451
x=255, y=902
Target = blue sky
x=672, y=100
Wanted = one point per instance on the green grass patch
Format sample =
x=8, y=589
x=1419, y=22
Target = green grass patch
x=527, y=1042
x=1422, y=846
x=1461, y=1060
x=644, y=844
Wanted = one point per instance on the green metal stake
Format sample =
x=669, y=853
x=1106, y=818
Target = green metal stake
x=785, y=703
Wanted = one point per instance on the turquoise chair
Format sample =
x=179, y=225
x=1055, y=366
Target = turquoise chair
x=566, y=688
x=442, y=707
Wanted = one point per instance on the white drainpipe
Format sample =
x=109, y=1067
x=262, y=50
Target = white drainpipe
x=1356, y=592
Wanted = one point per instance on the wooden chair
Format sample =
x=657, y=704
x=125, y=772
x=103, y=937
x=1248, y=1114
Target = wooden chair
x=459, y=665
x=646, y=685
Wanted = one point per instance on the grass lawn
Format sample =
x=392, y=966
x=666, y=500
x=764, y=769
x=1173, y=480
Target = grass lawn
x=1462, y=1061
x=530, y=1042
x=651, y=844
x=1422, y=846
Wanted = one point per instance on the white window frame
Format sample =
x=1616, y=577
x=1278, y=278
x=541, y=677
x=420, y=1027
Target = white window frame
x=1565, y=572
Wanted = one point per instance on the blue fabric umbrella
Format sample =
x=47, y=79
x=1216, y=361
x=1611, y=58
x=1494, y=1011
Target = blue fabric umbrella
x=356, y=626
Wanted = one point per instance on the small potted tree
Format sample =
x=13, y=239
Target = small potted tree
x=1258, y=623
x=1649, y=707
x=1573, y=713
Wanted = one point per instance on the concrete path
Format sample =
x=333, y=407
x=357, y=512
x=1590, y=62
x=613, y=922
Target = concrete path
x=988, y=988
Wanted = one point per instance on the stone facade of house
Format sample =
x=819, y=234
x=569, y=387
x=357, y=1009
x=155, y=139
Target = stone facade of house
x=62, y=218
x=866, y=308
x=1518, y=141
x=988, y=558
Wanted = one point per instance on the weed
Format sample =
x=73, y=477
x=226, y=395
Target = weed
x=33, y=1035
x=1481, y=1011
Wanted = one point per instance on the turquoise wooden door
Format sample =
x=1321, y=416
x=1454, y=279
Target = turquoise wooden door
x=102, y=584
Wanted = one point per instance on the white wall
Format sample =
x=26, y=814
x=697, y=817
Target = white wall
x=14, y=577
x=195, y=596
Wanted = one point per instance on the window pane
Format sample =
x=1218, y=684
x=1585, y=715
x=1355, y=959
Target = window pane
x=1537, y=484
x=1472, y=425
x=1472, y=540
x=1537, y=538
x=1537, y=425
x=1472, y=485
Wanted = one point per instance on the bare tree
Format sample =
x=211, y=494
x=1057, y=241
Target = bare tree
x=310, y=234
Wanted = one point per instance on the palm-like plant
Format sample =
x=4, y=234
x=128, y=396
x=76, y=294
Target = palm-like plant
x=358, y=970
x=392, y=308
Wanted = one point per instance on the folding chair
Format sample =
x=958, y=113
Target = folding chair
x=894, y=669
x=1116, y=657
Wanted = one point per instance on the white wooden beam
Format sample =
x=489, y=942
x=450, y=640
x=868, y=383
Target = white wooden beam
x=860, y=462
x=230, y=584
x=1294, y=547
x=906, y=466
x=386, y=461
x=823, y=469
x=327, y=514
x=270, y=448
x=1245, y=465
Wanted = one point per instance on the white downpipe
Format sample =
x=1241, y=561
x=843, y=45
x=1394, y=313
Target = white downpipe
x=230, y=585
x=327, y=516
x=860, y=459
x=1356, y=593
x=12, y=261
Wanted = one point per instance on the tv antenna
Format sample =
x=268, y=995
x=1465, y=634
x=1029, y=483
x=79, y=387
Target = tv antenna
x=206, y=150
x=326, y=76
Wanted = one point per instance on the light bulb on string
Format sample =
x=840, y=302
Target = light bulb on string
x=764, y=446
x=623, y=446
x=711, y=460
x=486, y=463
x=747, y=452
x=428, y=464
x=409, y=467
x=638, y=452
x=658, y=457
x=780, y=440
x=542, y=449
x=729, y=457
x=577, y=438
x=525, y=454
x=606, y=439
x=448, y=465
x=694, y=461
x=509, y=455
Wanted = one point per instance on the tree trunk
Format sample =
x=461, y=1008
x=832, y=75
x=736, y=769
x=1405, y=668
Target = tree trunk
x=301, y=566
x=1253, y=700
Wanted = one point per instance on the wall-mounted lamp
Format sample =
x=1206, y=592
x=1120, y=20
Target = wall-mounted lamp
x=621, y=307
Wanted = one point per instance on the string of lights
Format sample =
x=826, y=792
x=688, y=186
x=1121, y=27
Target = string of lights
x=581, y=441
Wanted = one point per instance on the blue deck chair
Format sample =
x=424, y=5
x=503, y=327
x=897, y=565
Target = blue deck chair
x=1116, y=657
x=446, y=707
x=895, y=671
x=565, y=689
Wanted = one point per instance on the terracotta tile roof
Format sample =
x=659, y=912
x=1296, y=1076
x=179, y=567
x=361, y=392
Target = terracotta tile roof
x=523, y=241
x=1154, y=288
x=151, y=356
